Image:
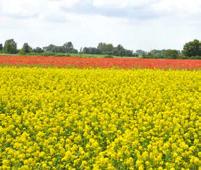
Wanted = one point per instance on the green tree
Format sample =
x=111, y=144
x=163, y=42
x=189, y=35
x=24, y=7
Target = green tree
x=192, y=48
x=119, y=50
x=68, y=47
x=38, y=50
x=10, y=46
x=140, y=53
x=155, y=54
x=54, y=49
x=170, y=53
x=1, y=47
x=105, y=48
x=90, y=50
x=26, y=48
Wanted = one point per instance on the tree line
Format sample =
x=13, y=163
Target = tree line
x=10, y=47
x=191, y=49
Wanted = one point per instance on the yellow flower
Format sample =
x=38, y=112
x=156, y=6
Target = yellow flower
x=67, y=155
x=5, y=162
x=99, y=118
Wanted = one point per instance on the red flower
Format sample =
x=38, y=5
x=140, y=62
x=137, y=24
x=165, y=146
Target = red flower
x=101, y=62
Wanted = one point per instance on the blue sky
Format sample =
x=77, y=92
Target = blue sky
x=136, y=24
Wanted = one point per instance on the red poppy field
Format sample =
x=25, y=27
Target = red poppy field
x=100, y=62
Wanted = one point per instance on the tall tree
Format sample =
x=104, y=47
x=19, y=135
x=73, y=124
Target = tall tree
x=26, y=48
x=10, y=46
x=1, y=47
x=105, y=48
x=119, y=50
x=68, y=47
x=192, y=48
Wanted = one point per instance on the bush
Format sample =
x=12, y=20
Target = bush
x=108, y=56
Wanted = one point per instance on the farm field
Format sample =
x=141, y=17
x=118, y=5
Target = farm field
x=100, y=62
x=56, y=118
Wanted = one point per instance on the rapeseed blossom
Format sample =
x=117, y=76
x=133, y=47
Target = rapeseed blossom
x=99, y=119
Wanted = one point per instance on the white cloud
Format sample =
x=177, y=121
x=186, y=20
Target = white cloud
x=182, y=7
x=111, y=3
x=120, y=3
x=144, y=24
x=66, y=3
x=20, y=8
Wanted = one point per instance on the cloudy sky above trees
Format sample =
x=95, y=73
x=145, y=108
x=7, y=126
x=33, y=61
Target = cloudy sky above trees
x=136, y=24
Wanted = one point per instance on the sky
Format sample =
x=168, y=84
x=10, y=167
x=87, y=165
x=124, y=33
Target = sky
x=136, y=24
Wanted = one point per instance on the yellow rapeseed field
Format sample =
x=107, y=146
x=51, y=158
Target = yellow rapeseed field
x=99, y=119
